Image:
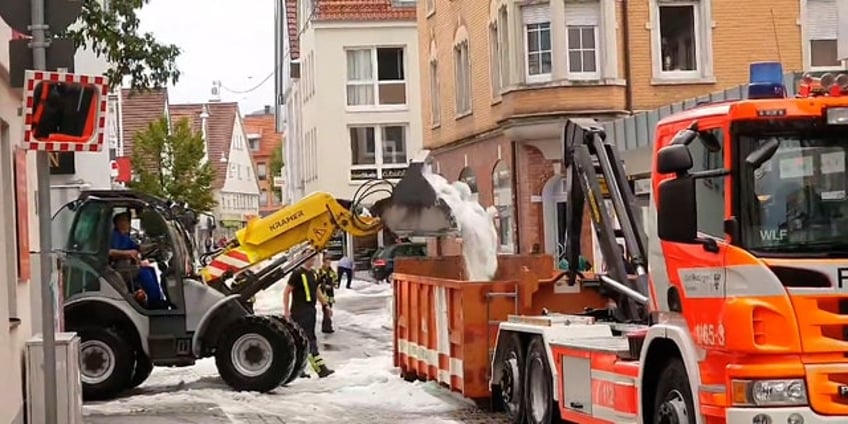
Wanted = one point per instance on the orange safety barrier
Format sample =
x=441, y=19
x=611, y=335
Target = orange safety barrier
x=445, y=327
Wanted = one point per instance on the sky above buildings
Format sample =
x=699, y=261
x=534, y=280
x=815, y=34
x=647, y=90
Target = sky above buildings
x=232, y=42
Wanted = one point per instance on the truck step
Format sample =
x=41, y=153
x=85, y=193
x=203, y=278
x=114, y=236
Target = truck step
x=499, y=294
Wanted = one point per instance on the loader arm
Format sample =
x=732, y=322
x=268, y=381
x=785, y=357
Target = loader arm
x=299, y=231
x=586, y=156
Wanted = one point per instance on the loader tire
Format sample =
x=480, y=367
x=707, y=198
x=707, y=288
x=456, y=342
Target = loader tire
x=106, y=362
x=301, y=344
x=255, y=353
x=673, y=401
x=143, y=368
x=511, y=385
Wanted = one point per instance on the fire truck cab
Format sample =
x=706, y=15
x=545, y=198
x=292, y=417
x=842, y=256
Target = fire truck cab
x=738, y=309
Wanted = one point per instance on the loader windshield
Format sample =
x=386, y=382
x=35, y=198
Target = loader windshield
x=795, y=203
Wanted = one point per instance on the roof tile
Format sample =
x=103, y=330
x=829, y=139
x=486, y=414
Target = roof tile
x=292, y=29
x=138, y=110
x=222, y=116
x=363, y=10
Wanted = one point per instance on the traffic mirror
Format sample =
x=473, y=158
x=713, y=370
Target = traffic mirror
x=65, y=112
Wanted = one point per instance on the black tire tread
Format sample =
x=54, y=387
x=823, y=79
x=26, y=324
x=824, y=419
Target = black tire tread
x=537, y=348
x=674, y=377
x=284, y=347
x=301, y=345
x=124, y=362
x=513, y=342
x=142, y=369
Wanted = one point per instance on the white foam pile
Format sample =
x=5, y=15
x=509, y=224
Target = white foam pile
x=475, y=225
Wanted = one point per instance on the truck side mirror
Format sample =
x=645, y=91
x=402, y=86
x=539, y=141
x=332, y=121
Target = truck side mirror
x=677, y=216
x=674, y=159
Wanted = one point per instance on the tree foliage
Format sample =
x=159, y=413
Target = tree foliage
x=169, y=165
x=113, y=33
x=275, y=165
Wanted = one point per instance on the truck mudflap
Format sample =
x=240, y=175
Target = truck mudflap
x=803, y=415
x=415, y=208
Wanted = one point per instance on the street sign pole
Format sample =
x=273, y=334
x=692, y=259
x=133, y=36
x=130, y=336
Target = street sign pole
x=48, y=320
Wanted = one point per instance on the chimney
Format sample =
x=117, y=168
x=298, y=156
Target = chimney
x=267, y=109
x=216, y=92
x=204, y=128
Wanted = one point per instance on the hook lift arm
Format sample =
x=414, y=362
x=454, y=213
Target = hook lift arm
x=586, y=155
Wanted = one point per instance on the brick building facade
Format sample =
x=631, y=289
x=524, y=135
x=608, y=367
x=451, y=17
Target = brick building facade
x=502, y=74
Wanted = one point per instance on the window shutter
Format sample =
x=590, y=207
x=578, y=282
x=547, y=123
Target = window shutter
x=536, y=14
x=586, y=13
x=822, y=20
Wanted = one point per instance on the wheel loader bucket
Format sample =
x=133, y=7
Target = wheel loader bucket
x=414, y=208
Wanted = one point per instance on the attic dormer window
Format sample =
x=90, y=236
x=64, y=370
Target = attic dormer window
x=253, y=141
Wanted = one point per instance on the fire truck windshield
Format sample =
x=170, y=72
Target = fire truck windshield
x=796, y=202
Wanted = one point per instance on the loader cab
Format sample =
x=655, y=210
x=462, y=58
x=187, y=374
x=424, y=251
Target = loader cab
x=83, y=235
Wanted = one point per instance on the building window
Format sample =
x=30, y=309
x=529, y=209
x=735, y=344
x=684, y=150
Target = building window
x=582, y=51
x=263, y=198
x=582, y=21
x=537, y=40
x=378, y=151
x=435, y=94
x=254, y=143
x=309, y=75
x=823, y=54
x=376, y=77
x=822, y=28
x=462, y=70
x=503, y=48
x=502, y=201
x=680, y=38
x=262, y=171
x=494, y=59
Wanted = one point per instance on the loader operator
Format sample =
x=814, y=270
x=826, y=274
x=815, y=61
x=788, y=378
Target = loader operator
x=328, y=281
x=299, y=304
x=124, y=251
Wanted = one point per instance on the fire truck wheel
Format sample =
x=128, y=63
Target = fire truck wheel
x=510, y=391
x=673, y=403
x=538, y=387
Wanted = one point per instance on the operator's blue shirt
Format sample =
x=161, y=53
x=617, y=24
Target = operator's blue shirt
x=146, y=275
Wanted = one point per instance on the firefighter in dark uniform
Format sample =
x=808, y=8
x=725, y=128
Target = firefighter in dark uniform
x=328, y=281
x=299, y=299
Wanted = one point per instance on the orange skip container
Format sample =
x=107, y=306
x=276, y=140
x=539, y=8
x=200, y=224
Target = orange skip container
x=445, y=327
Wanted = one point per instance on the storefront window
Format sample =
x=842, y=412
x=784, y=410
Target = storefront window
x=502, y=200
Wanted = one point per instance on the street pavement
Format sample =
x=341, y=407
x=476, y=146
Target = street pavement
x=197, y=398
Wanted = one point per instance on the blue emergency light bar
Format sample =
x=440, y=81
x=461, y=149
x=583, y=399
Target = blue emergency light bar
x=766, y=81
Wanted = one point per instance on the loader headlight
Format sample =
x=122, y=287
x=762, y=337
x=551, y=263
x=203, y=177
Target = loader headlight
x=784, y=392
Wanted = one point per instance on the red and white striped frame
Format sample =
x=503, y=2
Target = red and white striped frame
x=95, y=144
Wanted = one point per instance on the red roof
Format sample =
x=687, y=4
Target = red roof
x=138, y=110
x=292, y=29
x=363, y=10
x=265, y=126
x=222, y=118
x=345, y=10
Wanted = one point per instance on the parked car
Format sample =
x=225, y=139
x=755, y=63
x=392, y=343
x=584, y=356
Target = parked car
x=383, y=261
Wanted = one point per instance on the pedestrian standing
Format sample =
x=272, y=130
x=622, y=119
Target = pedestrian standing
x=345, y=267
x=328, y=282
x=299, y=304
